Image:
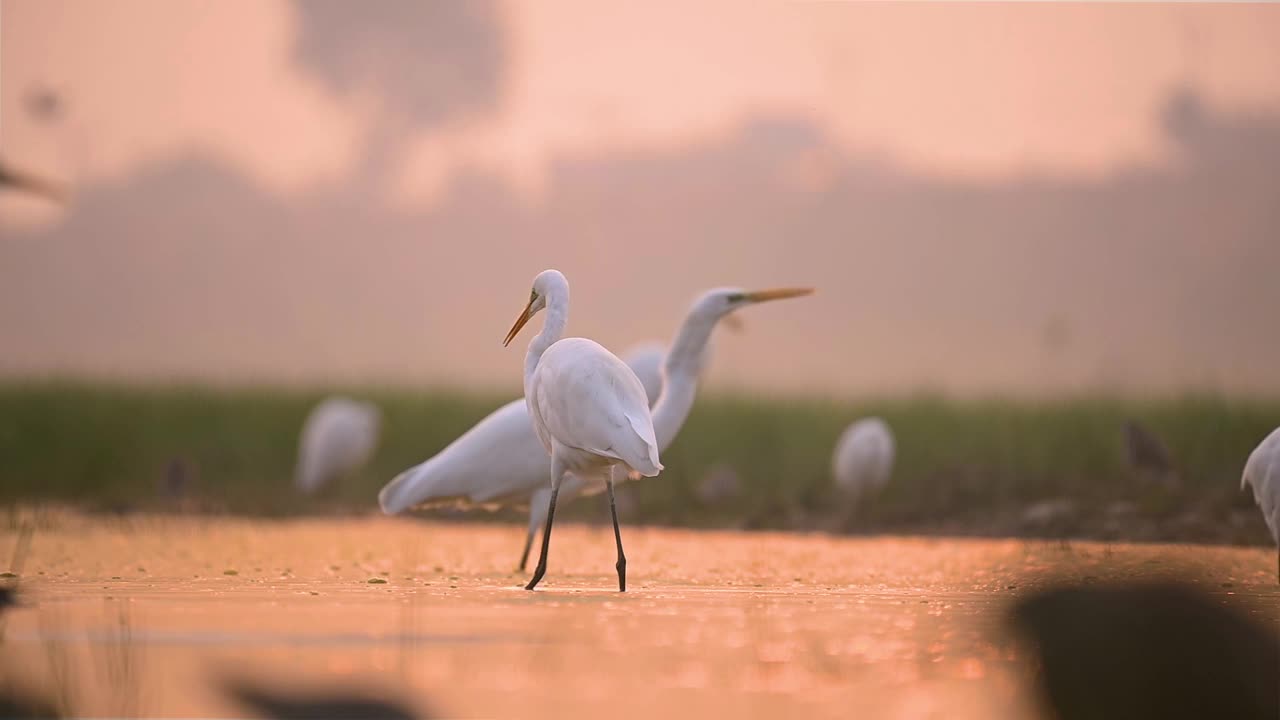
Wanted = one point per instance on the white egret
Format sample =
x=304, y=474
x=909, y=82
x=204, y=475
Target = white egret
x=863, y=458
x=499, y=461
x=587, y=407
x=339, y=437
x=1262, y=475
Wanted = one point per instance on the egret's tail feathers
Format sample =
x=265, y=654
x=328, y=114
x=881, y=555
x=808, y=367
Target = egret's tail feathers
x=649, y=467
x=398, y=495
x=644, y=458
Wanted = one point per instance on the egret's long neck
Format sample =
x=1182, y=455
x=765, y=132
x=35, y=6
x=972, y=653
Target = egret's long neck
x=552, y=330
x=680, y=378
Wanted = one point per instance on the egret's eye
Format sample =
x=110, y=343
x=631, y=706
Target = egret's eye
x=736, y=297
x=533, y=295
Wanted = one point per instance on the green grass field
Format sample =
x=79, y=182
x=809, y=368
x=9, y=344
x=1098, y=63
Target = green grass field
x=963, y=467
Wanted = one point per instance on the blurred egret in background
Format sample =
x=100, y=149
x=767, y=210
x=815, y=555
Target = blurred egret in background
x=645, y=360
x=1262, y=475
x=338, y=438
x=863, y=459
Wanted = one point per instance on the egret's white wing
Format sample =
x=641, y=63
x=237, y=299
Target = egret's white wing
x=590, y=400
x=497, y=461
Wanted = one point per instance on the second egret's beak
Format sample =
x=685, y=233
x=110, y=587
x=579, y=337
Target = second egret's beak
x=777, y=294
x=520, y=321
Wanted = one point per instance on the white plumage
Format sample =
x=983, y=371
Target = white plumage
x=1262, y=475
x=338, y=437
x=863, y=458
x=500, y=460
x=587, y=407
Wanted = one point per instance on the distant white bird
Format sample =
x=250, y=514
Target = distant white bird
x=499, y=461
x=1262, y=475
x=863, y=458
x=587, y=407
x=338, y=438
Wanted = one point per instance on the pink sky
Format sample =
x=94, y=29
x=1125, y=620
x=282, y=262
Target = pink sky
x=944, y=95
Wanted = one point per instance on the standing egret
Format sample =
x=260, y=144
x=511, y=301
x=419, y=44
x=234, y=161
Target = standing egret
x=499, y=461
x=863, y=459
x=588, y=408
x=1262, y=475
x=339, y=437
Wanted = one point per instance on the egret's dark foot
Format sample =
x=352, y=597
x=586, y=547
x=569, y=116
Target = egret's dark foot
x=537, y=577
x=622, y=574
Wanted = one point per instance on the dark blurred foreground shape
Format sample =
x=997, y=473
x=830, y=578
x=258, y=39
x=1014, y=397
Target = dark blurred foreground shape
x=330, y=704
x=15, y=179
x=1156, y=649
x=16, y=702
x=19, y=704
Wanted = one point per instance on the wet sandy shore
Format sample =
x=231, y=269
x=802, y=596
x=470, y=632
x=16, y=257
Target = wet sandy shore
x=143, y=615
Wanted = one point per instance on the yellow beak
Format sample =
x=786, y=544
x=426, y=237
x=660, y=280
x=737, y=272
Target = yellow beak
x=520, y=321
x=778, y=294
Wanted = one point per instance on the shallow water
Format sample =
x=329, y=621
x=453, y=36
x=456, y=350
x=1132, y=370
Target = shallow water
x=144, y=616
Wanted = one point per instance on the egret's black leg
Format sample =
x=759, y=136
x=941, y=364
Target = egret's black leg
x=528, y=543
x=546, y=540
x=1278, y=564
x=617, y=535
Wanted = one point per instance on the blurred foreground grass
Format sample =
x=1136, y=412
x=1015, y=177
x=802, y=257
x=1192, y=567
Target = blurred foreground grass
x=1044, y=468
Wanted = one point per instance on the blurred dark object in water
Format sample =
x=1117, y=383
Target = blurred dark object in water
x=295, y=704
x=1156, y=649
x=14, y=179
x=8, y=598
x=1148, y=455
x=17, y=704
